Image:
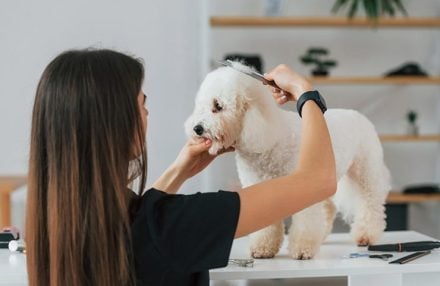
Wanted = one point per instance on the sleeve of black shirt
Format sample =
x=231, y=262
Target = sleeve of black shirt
x=192, y=232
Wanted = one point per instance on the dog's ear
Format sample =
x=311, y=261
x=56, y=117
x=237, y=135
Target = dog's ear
x=259, y=132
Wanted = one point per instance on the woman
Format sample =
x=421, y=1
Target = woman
x=84, y=227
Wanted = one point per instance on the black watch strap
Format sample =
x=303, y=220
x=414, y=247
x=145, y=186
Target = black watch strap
x=311, y=95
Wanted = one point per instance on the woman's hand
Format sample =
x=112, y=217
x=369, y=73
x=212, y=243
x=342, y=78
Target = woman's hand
x=290, y=81
x=194, y=156
x=192, y=159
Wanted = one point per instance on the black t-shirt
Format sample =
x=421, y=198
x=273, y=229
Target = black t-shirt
x=178, y=238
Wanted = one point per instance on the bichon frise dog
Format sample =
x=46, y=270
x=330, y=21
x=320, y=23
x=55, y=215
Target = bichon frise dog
x=233, y=109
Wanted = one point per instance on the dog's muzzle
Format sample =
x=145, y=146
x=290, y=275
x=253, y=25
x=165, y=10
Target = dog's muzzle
x=198, y=129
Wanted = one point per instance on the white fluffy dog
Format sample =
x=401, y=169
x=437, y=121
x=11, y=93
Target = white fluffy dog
x=233, y=109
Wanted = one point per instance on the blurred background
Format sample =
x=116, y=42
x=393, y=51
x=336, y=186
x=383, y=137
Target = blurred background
x=179, y=40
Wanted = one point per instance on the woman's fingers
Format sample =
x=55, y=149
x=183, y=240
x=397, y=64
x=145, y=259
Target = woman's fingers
x=274, y=89
x=269, y=75
x=283, y=99
x=196, y=146
x=280, y=96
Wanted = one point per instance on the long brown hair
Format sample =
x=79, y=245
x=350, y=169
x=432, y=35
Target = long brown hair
x=85, y=121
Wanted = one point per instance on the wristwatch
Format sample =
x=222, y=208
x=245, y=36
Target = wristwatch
x=311, y=95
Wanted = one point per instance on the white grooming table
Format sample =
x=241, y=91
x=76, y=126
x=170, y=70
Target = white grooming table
x=329, y=262
x=362, y=271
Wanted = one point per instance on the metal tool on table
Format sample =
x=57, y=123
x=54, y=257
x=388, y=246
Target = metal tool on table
x=411, y=257
x=384, y=256
x=246, y=262
x=356, y=255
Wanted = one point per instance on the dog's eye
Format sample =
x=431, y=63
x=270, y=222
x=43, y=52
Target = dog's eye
x=217, y=106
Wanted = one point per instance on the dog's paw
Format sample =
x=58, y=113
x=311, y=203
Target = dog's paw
x=364, y=236
x=303, y=252
x=263, y=252
x=363, y=241
x=266, y=242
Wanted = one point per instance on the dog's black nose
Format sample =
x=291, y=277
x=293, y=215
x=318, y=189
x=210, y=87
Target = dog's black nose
x=198, y=129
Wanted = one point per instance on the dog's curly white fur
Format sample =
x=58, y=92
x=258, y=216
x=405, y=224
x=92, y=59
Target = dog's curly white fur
x=233, y=109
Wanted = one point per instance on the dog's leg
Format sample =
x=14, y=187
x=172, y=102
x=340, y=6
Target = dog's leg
x=266, y=242
x=309, y=228
x=372, y=179
x=330, y=213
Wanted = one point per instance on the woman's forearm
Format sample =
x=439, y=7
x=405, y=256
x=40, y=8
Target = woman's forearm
x=170, y=181
x=316, y=152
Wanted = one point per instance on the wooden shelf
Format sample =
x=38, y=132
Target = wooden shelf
x=258, y=21
x=8, y=184
x=401, y=198
x=408, y=138
x=377, y=80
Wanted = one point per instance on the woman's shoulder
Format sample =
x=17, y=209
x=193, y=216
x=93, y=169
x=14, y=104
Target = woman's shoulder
x=152, y=199
x=145, y=200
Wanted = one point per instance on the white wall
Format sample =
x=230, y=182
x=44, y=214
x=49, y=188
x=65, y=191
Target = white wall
x=168, y=35
x=164, y=33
